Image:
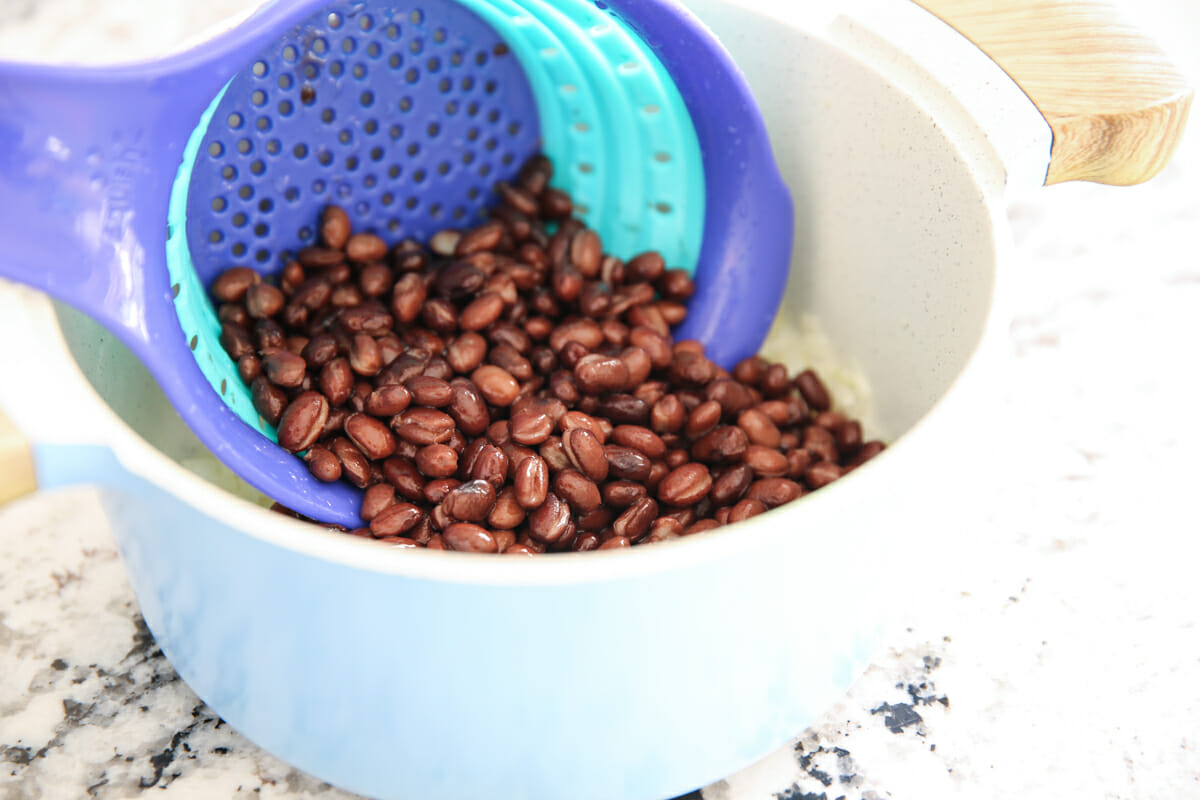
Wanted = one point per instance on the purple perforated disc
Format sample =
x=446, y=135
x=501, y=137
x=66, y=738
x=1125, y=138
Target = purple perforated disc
x=407, y=118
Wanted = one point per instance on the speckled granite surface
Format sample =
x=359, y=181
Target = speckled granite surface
x=88, y=705
x=1062, y=663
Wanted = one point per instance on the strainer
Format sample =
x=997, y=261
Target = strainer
x=128, y=189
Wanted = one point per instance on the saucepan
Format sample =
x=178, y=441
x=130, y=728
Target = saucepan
x=902, y=130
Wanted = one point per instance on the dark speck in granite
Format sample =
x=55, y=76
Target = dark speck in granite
x=163, y=760
x=794, y=792
x=75, y=712
x=17, y=755
x=144, y=647
x=914, y=691
x=820, y=762
x=897, y=716
x=806, y=763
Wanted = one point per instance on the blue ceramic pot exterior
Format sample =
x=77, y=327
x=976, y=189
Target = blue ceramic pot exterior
x=642, y=686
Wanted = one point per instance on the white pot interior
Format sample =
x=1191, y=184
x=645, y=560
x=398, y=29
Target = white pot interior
x=895, y=250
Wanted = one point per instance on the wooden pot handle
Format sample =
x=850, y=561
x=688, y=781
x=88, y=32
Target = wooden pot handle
x=1115, y=104
x=16, y=462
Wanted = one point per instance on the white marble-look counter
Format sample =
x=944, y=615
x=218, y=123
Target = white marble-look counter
x=1064, y=661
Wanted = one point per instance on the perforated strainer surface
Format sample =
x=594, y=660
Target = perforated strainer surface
x=405, y=119
x=407, y=114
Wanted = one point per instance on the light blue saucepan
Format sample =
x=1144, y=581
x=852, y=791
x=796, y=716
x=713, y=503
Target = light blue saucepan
x=637, y=674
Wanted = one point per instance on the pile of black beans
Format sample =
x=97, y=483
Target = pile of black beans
x=515, y=390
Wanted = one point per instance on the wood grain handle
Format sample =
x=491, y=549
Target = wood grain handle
x=1115, y=103
x=16, y=462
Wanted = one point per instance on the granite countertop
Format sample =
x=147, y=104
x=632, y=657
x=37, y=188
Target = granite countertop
x=1063, y=662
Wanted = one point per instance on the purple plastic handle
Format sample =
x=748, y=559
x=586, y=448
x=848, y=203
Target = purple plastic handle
x=87, y=160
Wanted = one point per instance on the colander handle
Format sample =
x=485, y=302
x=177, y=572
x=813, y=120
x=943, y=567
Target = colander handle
x=1115, y=103
x=88, y=156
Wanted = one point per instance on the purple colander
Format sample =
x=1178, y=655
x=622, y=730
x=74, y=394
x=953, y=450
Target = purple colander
x=127, y=189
